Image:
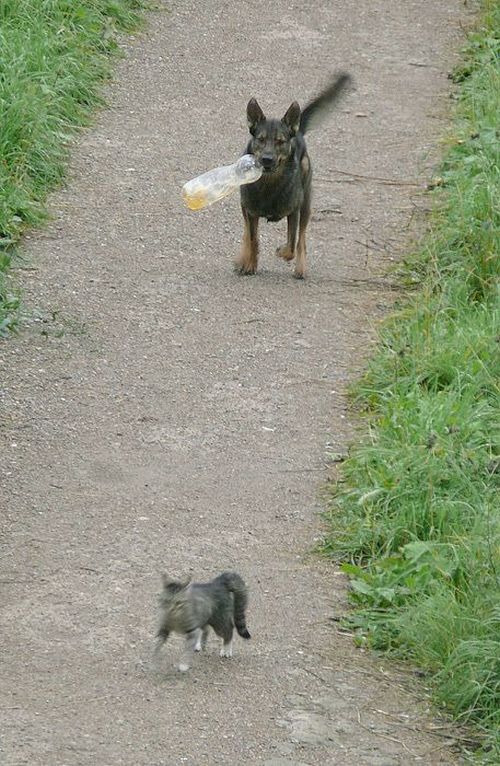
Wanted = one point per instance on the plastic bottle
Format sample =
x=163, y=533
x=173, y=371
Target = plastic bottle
x=219, y=182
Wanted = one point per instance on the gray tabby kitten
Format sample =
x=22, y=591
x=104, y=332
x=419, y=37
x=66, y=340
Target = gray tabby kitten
x=190, y=608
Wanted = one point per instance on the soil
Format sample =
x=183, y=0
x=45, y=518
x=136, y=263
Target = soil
x=162, y=413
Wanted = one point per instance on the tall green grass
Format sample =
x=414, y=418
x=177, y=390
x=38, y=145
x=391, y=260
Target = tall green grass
x=416, y=509
x=53, y=55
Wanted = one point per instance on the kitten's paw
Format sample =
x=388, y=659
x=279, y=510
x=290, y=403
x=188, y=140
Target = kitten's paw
x=199, y=641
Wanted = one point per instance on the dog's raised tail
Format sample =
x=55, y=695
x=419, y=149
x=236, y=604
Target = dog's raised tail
x=319, y=107
x=235, y=583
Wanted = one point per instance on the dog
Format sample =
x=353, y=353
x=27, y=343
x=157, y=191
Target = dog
x=284, y=189
x=190, y=608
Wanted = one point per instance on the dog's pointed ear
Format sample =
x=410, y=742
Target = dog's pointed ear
x=184, y=584
x=292, y=117
x=254, y=115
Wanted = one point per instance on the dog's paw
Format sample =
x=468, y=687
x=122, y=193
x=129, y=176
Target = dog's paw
x=285, y=252
x=299, y=273
x=183, y=667
x=244, y=270
x=227, y=652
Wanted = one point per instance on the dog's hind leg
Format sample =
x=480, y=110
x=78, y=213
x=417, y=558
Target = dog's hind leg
x=246, y=263
x=287, y=252
x=299, y=271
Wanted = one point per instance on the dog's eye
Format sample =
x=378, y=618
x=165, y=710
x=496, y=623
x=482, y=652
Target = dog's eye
x=261, y=139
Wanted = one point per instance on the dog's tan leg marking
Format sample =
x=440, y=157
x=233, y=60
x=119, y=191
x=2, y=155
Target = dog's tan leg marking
x=287, y=252
x=299, y=271
x=246, y=263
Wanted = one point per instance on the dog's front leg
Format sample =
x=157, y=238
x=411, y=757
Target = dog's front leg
x=287, y=252
x=246, y=263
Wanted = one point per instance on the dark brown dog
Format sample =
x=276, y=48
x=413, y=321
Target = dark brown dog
x=284, y=188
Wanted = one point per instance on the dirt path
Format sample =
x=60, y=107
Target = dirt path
x=161, y=413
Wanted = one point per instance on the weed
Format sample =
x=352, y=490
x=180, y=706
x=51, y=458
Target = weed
x=54, y=55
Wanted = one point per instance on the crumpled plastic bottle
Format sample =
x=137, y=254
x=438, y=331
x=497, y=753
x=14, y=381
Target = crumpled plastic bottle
x=219, y=182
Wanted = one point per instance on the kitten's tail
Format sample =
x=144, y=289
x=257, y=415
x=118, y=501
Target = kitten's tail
x=316, y=109
x=234, y=583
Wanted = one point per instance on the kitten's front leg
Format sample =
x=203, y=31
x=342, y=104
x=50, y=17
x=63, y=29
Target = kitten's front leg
x=189, y=649
x=199, y=634
x=161, y=637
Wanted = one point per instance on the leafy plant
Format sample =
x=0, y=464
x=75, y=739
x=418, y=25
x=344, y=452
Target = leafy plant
x=415, y=512
x=54, y=54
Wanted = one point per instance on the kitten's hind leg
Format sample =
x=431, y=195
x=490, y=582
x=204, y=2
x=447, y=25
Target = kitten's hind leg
x=189, y=648
x=227, y=647
x=204, y=636
x=200, y=644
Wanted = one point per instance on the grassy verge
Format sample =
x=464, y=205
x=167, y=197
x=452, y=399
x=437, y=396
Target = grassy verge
x=415, y=513
x=54, y=54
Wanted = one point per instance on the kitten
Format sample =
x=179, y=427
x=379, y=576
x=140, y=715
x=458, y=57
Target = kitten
x=190, y=608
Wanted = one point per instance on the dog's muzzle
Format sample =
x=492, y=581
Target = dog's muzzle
x=268, y=162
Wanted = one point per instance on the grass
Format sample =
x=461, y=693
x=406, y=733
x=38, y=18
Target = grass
x=415, y=512
x=54, y=55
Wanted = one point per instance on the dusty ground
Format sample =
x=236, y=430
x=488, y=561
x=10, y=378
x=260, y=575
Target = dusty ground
x=161, y=413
